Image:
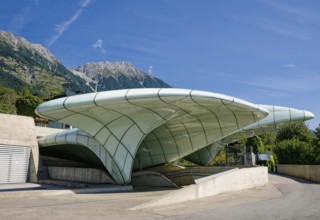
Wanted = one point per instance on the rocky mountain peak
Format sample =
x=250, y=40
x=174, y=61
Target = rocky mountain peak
x=32, y=66
x=27, y=65
x=109, y=75
x=18, y=42
x=105, y=68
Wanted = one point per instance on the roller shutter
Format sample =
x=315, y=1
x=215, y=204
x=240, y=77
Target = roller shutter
x=14, y=163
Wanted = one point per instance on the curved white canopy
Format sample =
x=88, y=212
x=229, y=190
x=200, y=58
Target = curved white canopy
x=279, y=117
x=161, y=125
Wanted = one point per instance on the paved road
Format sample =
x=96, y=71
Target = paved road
x=282, y=198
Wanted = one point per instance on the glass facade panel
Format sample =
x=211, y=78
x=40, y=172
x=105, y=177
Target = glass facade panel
x=176, y=123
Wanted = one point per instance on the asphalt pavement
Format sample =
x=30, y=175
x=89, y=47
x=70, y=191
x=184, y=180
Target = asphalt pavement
x=282, y=198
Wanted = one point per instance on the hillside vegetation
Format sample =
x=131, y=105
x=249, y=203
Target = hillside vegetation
x=25, y=65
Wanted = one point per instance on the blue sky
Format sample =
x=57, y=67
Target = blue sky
x=259, y=50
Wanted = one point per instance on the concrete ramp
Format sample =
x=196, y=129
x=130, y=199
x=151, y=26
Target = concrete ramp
x=228, y=181
x=151, y=179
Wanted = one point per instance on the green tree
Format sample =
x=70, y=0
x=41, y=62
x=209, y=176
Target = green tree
x=220, y=158
x=257, y=145
x=27, y=104
x=294, y=151
x=296, y=145
x=26, y=92
x=298, y=131
x=269, y=140
x=317, y=135
x=7, y=100
x=317, y=145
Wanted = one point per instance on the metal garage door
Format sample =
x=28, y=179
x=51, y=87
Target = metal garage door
x=14, y=163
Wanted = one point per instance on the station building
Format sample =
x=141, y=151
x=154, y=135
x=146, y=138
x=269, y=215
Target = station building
x=123, y=131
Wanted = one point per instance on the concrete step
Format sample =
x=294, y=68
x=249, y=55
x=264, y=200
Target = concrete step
x=64, y=183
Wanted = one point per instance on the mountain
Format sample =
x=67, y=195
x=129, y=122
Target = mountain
x=32, y=66
x=103, y=76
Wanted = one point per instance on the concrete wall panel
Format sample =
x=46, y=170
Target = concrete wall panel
x=20, y=131
x=308, y=172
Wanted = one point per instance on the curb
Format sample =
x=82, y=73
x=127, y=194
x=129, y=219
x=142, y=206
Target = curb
x=54, y=192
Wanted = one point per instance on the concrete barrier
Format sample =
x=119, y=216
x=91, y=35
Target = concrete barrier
x=45, y=131
x=228, y=181
x=55, y=192
x=183, y=176
x=20, y=131
x=87, y=175
x=151, y=178
x=308, y=172
x=189, y=175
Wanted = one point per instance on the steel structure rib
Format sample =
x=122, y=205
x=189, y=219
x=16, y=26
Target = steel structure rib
x=278, y=118
x=168, y=124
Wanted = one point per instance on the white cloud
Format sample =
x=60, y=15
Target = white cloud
x=285, y=29
x=306, y=82
x=295, y=20
x=64, y=26
x=24, y=16
x=19, y=20
x=85, y=3
x=98, y=44
x=289, y=65
x=36, y=2
x=297, y=12
x=150, y=70
x=285, y=8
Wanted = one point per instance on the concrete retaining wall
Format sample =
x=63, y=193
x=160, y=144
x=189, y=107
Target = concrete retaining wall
x=150, y=178
x=87, y=175
x=308, y=172
x=58, y=162
x=183, y=176
x=45, y=131
x=228, y=181
x=189, y=175
x=20, y=131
